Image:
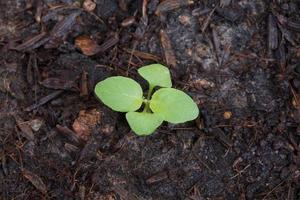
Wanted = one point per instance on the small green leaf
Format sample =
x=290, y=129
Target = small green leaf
x=156, y=75
x=174, y=105
x=120, y=93
x=143, y=123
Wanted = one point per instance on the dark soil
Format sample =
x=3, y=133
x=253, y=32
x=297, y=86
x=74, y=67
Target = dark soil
x=238, y=59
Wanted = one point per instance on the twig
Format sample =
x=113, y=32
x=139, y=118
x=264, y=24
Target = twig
x=273, y=189
x=207, y=20
x=240, y=172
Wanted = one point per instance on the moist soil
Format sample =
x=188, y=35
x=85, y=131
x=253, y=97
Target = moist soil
x=238, y=59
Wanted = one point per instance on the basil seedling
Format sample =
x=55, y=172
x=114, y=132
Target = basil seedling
x=123, y=94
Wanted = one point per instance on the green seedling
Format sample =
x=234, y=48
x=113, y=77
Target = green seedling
x=166, y=104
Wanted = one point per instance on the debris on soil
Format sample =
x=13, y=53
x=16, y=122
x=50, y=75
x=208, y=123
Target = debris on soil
x=169, y=5
x=25, y=128
x=89, y=5
x=128, y=21
x=227, y=115
x=85, y=123
x=36, y=124
x=35, y=180
x=69, y=134
x=44, y=100
x=59, y=84
x=61, y=30
x=168, y=50
x=87, y=45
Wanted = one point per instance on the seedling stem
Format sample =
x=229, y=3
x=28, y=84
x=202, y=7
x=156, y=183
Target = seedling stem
x=147, y=102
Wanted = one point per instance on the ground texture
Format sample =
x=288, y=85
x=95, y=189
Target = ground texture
x=238, y=59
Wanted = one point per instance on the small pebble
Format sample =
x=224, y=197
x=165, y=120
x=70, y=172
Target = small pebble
x=89, y=5
x=36, y=124
x=128, y=21
x=185, y=20
x=227, y=115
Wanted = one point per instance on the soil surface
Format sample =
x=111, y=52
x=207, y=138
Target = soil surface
x=238, y=59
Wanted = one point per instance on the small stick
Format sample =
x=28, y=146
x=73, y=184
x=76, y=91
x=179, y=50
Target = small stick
x=207, y=20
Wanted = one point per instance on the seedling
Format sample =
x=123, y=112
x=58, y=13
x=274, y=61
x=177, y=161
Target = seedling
x=166, y=104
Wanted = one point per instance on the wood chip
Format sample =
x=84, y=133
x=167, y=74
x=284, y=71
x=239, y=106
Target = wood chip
x=61, y=30
x=32, y=42
x=29, y=69
x=85, y=123
x=35, y=180
x=3, y=162
x=203, y=84
x=296, y=101
x=123, y=5
x=143, y=55
x=272, y=33
x=44, y=100
x=59, y=84
x=86, y=45
x=157, y=177
x=38, y=11
x=69, y=134
x=123, y=193
x=128, y=21
x=169, y=5
x=25, y=128
x=82, y=191
x=168, y=50
x=71, y=148
x=281, y=56
x=109, y=42
x=84, y=89
x=294, y=25
x=287, y=35
x=224, y=3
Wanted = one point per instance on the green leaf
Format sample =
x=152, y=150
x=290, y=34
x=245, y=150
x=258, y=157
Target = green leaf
x=174, y=105
x=143, y=123
x=156, y=75
x=120, y=93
